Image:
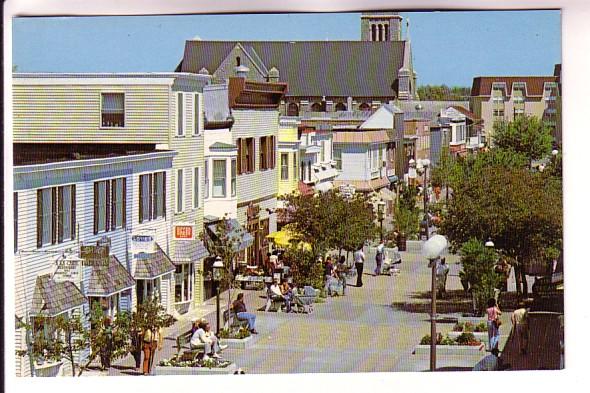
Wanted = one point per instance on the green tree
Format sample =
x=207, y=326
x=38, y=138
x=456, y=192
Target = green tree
x=352, y=222
x=478, y=264
x=446, y=172
x=527, y=135
x=406, y=221
x=305, y=267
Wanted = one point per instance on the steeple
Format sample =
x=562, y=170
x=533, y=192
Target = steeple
x=381, y=26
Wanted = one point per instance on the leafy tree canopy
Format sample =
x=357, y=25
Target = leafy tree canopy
x=527, y=135
x=443, y=93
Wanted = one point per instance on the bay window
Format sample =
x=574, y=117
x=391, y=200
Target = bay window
x=219, y=178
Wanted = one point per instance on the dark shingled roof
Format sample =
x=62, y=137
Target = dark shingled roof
x=53, y=298
x=313, y=68
x=152, y=265
x=107, y=280
x=189, y=250
x=482, y=85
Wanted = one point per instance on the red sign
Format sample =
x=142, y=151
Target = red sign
x=183, y=232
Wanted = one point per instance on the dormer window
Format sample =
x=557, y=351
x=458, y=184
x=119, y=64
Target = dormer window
x=238, y=61
x=113, y=110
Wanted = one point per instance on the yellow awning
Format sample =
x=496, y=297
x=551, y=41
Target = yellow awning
x=286, y=238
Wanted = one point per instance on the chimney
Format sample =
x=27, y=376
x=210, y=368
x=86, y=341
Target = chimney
x=242, y=71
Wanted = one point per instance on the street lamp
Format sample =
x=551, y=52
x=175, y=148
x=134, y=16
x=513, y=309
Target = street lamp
x=554, y=152
x=432, y=250
x=422, y=168
x=380, y=215
x=217, y=275
x=490, y=243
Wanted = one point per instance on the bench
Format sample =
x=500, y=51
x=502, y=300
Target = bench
x=274, y=303
x=184, y=341
x=236, y=324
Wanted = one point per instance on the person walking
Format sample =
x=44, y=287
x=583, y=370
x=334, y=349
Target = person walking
x=520, y=327
x=379, y=257
x=442, y=270
x=239, y=308
x=359, y=261
x=342, y=271
x=136, y=344
x=107, y=349
x=493, y=312
x=152, y=340
x=328, y=274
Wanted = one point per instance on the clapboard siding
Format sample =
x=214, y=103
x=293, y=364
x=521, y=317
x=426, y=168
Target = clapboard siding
x=252, y=123
x=72, y=113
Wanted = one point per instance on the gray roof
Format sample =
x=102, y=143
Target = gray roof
x=428, y=109
x=189, y=250
x=53, y=298
x=312, y=68
x=223, y=146
x=152, y=265
x=107, y=280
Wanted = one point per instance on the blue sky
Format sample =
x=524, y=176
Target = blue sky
x=449, y=47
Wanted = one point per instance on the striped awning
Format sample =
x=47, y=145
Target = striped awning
x=52, y=298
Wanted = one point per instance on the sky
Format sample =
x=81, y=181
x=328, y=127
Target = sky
x=448, y=47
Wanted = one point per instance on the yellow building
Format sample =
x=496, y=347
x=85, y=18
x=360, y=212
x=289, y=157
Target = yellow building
x=288, y=155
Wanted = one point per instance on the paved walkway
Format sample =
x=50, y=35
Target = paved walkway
x=372, y=328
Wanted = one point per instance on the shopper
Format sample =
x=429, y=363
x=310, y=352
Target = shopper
x=493, y=313
x=239, y=308
x=520, y=327
x=359, y=261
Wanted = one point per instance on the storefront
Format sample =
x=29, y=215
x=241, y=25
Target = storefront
x=152, y=274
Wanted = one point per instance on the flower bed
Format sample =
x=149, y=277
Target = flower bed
x=239, y=334
x=238, y=343
x=463, y=343
x=470, y=327
x=180, y=366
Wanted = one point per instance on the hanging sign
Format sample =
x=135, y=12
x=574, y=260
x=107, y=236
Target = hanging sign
x=95, y=256
x=142, y=242
x=68, y=268
x=184, y=232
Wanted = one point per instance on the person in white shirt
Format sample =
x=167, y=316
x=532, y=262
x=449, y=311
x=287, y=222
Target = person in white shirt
x=379, y=256
x=359, y=261
x=442, y=270
x=204, y=335
x=276, y=293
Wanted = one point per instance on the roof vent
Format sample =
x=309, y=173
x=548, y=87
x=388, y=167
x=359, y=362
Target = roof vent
x=242, y=71
x=273, y=75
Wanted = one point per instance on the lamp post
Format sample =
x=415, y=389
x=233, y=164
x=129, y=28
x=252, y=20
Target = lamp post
x=422, y=168
x=432, y=250
x=380, y=215
x=217, y=275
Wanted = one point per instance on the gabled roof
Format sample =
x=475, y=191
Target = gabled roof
x=152, y=265
x=312, y=68
x=470, y=115
x=52, y=298
x=482, y=85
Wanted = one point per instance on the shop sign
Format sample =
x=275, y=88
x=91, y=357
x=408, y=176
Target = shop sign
x=95, y=256
x=142, y=242
x=68, y=268
x=184, y=232
x=252, y=213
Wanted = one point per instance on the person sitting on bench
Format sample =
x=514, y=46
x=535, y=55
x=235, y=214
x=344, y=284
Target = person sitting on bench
x=239, y=308
x=204, y=335
x=276, y=293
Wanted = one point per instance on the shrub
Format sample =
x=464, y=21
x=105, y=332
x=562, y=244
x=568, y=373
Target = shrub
x=481, y=327
x=467, y=339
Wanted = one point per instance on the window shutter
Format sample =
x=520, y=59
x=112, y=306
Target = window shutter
x=107, y=216
x=60, y=214
x=252, y=159
x=95, y=208
x=140, y=199
x=164, y=194
x=124, y=203
x=153, y=197
x=53, y=215
x=113, y=217
x=39, y=218
x=239, y=143
x=73, y=212
x=273, y=152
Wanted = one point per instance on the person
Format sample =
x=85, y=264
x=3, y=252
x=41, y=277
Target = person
x=341, y=272
x=520, y=327
x=379, y=257
x=204, y=335
x=107, y=349
x=490, y=362
x=493, y=313
x=442, y=270
x=239, y=308
x=275, y=292
x=359, y=261
x=503, y=270
x=152, y=340
x=136, y=344
x=287, y=293
x=328, y=274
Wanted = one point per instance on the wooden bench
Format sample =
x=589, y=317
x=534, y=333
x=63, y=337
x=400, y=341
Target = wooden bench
x=236, y=324
x=184, y=341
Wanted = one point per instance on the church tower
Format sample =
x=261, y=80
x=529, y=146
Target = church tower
x=381, y=26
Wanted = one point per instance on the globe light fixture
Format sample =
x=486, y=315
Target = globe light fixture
x=217, y=276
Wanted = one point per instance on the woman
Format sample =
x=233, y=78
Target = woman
x=342, y=271
x=205, y=335
x=287, y=294
x=493, y=312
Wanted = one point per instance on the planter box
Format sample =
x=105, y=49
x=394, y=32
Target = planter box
x=238, y=343
x=48, y=369
x=481, y=336
x=168, y=370
x=449, y=350
x=473, y=320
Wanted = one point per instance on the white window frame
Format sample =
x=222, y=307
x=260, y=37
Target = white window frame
x=284, y=166
x=206, y=180
x=196, y=114
x=224, y=187
x=124, y=109
x=233, y=182
x=178, y=95
x=180, y=173
x=196, y=191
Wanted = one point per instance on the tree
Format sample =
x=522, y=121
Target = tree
x=478, y=264
x=305, y=267
x=353, y=222
x=527, y=135
x=443, y=93
x=446, y=171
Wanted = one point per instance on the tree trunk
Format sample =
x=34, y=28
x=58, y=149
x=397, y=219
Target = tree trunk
x=90, y=359
x=71, y=353
x=525, y=286
x=518, y=277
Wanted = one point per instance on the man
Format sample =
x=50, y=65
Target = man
x=240, y=309
x=442, y=270
x=520, y=325
x=328, y=274
x=359, y=261
x=204, y=335
x=152, y=340
x=489, y=363
x=379, y=257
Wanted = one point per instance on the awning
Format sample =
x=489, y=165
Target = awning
x=189, y=251
x=152, y=265
x=281, y=238
x=239, y=237
x=386, y=194
x=52, y=298
x=109, y=280
x=393, y=179
x=323, y=187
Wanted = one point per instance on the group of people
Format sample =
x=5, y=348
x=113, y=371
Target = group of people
x=282, y=291
x=202, y=334
x=335, y=274
x=145, y=341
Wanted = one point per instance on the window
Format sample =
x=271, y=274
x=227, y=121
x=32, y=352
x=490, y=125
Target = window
x=152, y=196
x=180, y=119
x=233, y=178
x=340, y=107
x=374, y=158
x=238, y=61
x=498, y=112
x=184, y=278
x=109, y=205
x=322, y=151
x=292, y=109
x=267, y=152
x=284, y=166
x=206, y=179
x=338, y=158
x=364, y=107
x=113, y=110
x=219, y=178
x=196, y=114
x=56, y=215
x=245, y=155
x=196, y=180
x=15, y=220
x=179, y=190
x=295, y=171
